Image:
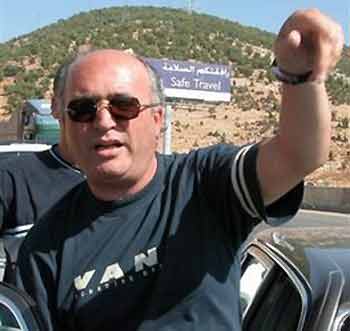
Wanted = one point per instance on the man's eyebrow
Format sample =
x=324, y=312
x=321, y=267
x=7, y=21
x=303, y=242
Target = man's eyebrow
x=86, y=95
x=113, y=95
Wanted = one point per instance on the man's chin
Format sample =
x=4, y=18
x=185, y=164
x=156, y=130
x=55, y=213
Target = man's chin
x=111, y=170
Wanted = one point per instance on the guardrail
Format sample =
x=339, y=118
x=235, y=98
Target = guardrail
x=334, y=199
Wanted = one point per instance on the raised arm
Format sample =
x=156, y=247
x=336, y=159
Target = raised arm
x=311, y=42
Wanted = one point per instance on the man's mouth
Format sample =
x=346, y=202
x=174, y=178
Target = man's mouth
x=110, y=145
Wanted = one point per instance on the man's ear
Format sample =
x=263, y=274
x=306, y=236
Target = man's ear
x=55, y=108
x=158, y=116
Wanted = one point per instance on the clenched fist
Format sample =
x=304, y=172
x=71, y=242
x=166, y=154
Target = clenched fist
x=309, y=41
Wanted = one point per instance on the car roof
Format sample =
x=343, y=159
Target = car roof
x=23, y=147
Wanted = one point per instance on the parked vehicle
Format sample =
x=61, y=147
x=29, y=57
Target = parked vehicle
x=297, y=279
x=36, y=123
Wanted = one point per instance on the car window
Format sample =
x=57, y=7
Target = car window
x=251, y=279
x=280, y=308
x=270, y=300
x=255, y=268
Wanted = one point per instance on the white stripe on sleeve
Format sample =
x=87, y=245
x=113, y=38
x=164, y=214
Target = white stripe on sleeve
x=18, y=232
x=239, y=183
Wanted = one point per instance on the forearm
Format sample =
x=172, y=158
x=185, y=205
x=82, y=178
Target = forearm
x=302, y=144
x=305, y=127
x=308, y=41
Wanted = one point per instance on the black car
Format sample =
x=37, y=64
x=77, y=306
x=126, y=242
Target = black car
x=297, y=279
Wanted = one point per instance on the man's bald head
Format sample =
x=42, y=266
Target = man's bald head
x=126, y=62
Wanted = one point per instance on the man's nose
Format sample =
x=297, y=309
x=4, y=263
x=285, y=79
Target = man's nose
x=104, y=118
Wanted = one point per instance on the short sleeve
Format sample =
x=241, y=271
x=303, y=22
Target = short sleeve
x=247, y=189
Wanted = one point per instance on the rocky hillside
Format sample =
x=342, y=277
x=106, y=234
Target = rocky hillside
x=28, y=63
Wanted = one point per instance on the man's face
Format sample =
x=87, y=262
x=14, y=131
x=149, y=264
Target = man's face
x=108, y=148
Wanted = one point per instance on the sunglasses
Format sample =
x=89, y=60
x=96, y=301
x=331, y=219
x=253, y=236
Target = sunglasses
x=122, y=107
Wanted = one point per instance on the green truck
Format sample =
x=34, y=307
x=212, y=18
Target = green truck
x=36, y=123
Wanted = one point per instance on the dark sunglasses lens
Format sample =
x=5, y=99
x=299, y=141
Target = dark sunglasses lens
x=125, y=107
x=82, y=110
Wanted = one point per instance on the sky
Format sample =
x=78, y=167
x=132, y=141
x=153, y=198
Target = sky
x=18, y=17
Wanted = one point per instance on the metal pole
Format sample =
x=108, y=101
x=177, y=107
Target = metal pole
x=167, y=132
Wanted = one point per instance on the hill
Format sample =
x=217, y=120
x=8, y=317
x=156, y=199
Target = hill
x=28, y=63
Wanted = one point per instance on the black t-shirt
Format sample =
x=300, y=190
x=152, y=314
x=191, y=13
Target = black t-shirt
x=163, y=259
x=30, y=185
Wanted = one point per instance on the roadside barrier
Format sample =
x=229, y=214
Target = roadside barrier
x=334, y=199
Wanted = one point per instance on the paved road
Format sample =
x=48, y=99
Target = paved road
x=308, y=218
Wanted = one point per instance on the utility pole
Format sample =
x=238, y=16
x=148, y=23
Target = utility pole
x=190, y=6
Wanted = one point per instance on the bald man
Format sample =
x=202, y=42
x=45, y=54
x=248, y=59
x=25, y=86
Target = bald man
x=150, y=241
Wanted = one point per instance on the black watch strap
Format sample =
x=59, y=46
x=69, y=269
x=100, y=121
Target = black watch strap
x=287, y=77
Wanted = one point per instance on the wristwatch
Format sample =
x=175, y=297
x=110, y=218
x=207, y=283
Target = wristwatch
x=287, y=77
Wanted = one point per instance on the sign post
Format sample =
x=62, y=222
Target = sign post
x=167, y=129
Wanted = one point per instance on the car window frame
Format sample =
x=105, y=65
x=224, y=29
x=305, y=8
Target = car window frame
x=289, y=269
x=23, y=308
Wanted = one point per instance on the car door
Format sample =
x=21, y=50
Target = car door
x=18, y=312
x=272, y=296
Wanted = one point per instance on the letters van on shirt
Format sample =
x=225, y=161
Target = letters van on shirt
x=115, y=271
